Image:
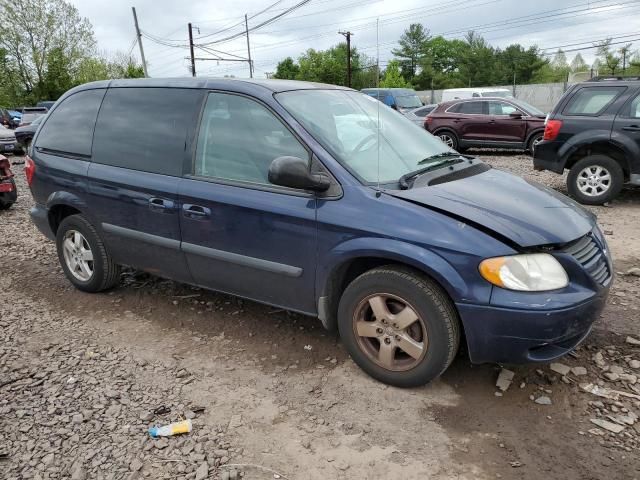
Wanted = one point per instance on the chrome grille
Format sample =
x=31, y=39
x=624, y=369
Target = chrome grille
x=589, y=254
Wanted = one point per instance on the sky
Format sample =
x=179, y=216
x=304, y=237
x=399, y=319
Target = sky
x=549, y=24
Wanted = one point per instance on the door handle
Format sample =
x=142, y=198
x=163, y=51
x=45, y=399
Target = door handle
x=632, y=128
x=491, y=122
x=161, y=205
x=195, y=211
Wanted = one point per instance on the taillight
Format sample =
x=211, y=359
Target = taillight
x=552, y=129
x=428, y=121
x=29, y=169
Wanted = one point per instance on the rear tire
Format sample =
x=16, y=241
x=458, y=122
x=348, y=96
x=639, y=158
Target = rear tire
x=449, y=138
x=389, y=309
x=595, y=180
x=77, y=240
x=533, y=141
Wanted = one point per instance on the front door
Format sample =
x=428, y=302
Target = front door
x=241, y=234
x=626, y=130
x=501, y=127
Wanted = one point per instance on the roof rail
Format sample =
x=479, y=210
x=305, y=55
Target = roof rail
x=612, y=78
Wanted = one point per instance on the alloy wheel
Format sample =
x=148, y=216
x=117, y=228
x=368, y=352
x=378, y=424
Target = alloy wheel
x=390, y=332
x=78, y=255
x=594, y=180
x=447, y=139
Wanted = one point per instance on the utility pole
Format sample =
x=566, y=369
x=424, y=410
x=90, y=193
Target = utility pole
x=347, y=35
x=139, y=36
x=246, y=26
x=193, y=60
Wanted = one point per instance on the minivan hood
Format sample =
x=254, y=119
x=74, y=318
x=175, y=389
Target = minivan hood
x=526, y=213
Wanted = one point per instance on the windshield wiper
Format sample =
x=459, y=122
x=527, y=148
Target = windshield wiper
x=404, y=179
x=439, y=155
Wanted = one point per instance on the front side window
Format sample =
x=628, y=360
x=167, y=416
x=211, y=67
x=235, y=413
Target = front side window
x=501, y=108
x=634, y=111
x=69, y=128
x=145, y=128
x=239, y=138
x=373, y=142
x=592, y=100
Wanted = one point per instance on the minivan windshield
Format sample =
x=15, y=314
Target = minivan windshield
x=346, y=124
x=408, y=101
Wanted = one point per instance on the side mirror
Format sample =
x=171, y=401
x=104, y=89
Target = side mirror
x=515, y=115
x=293, y=172
x=394, y=106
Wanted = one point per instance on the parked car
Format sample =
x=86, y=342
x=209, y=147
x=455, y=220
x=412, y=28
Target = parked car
x=8, y=190
x=46, y=104
x=487, y=122
x=16, y=116
x=8, y=142
x=24, y=135
x=461, y=93
x=594, y=132
x=418, y=115
x=29, y=114
x=392, y=238
x=401, y=99
x=6, y=119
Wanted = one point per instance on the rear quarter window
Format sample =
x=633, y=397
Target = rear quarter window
x=69, y=127
x=591, y=101
x=146, y=128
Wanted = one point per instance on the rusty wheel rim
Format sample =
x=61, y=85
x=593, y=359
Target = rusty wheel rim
x=390, y=332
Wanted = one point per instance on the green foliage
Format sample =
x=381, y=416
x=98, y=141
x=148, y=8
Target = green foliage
x=392, y=77
x=329, y=66
x=578, y=64
x=411, y=49
x=287, y=69
x=46, y=48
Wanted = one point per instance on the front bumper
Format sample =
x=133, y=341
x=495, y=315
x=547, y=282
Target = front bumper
x=8, y=146
x=504, y=335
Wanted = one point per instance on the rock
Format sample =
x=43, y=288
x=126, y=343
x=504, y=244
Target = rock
x=235, y=422
x=110, y=393
x=146, y=416
x=77, y=419
x=233, y=474
x=635, y=364
x=616, y=369
x=225, y=476
x=599, y=359
x=48, y=459
x=612, y=377
x=629, y=378
x=577, y=371
x=498, y=394
x=635, y=272
x=203, y=471
x=220, y=452
x=560, y=368
x=135, y=465
x=610, y=426
x=504, y=379
x=188, y=414
x=544, y=400
x=633, y=341
x=182, y=373
x=78, y=472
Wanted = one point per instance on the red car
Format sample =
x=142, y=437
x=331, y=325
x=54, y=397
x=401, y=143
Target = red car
x=8, y=191
x=488, y=123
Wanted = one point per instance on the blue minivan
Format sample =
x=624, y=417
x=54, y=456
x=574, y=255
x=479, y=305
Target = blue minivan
x=315, y=199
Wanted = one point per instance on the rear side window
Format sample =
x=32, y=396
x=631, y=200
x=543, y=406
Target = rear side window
x=469, y=108
x=501, y=108
x=634, y=110
x=145, y=128
x=69, y=128
x=592, y=100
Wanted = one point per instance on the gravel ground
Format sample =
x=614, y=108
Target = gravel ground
x=272, y=395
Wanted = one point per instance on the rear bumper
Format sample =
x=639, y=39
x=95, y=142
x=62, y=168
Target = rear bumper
x=502, y=335
x=546, y=157
x=8, y=192
x=40, y=217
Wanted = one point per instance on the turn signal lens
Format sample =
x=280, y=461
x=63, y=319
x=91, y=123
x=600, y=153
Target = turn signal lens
x=537, y=272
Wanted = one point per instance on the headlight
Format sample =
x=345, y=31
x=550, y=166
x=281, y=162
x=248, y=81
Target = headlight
x=535, y=272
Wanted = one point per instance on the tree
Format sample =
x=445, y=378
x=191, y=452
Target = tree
x=34, y=32
x=578, y=64
x=608, y=60
x=287, y=69
x=392, y=77
x=411, y=49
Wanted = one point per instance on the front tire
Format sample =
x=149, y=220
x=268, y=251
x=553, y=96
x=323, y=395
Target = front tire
x=398, y=326
x=83, y=256
x=595, y=179
x=533, y=142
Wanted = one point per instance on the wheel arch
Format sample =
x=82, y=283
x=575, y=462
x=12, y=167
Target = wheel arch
x=346, y=267
x=602, y=147
x=60, y=205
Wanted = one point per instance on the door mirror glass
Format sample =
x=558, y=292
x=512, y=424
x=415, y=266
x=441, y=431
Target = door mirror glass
x=515, y=115
x=293, y=172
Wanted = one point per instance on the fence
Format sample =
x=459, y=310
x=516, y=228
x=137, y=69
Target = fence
x=541, y=95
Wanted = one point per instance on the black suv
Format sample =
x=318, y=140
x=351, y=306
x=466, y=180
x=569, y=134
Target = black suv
x=594, y=132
